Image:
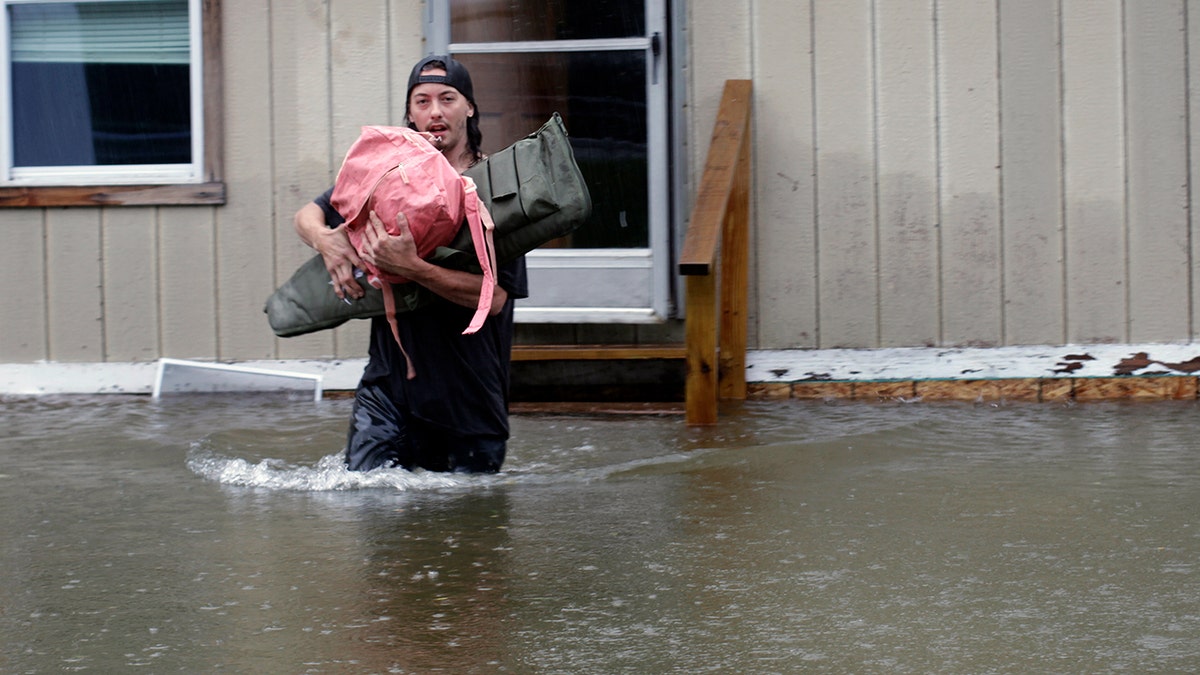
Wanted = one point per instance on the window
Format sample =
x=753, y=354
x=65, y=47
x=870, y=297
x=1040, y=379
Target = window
x=109, y=102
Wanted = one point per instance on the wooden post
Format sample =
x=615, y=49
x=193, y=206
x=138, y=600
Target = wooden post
x=719, y=228
x=700, y=390
x=735, y=264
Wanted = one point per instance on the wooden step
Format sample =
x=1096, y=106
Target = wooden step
x=594, y=352
x=596, y=408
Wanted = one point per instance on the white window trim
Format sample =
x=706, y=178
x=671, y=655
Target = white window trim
x=199, y=171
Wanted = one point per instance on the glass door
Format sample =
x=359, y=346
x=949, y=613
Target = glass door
x=600, y=64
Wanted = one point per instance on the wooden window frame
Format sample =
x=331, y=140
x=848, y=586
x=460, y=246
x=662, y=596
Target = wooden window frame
x=211, y=190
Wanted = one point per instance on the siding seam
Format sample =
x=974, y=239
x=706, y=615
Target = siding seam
x=214, y=231
x=333, y=159
x=938, y=175
x=46, y=339
x=100, y=225
x=875, y=217
x=1128, y=309
x=1000, y=222
x=158, y=282
x=1064, y=294
x=1187, y=155
x=816, y=179
x=272, y=165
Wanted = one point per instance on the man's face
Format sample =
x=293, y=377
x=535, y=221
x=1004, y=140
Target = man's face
x=441, y=110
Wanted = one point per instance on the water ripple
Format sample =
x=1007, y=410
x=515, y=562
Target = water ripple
x=328, y=474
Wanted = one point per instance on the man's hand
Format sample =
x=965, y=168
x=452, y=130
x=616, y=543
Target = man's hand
x=335, y=248
x=392, y=253
x=340, y=261
x=397, y=254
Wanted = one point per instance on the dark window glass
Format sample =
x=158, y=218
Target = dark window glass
x=100, y=83
x=532, y=20
x=84, y=114
x=602, y=99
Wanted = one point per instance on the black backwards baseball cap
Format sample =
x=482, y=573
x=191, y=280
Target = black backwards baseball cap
x=456, y=76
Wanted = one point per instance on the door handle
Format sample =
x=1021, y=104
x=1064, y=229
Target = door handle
x=656, y=54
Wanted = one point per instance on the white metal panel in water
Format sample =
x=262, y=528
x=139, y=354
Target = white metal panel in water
x=178, y=376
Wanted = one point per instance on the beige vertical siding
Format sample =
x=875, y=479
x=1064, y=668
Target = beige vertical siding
x=23, y=309
x=128, y=252
x=300, y=109
x=1031, y=172
x=847, y=298
x=720, y=45
x=1193, y=121
x=187, y=287
x=243, y=234
x=906, y=173
x=927, y=172
x=73, y=285
x=1093, y=171
x=1156, y=173
x=784, y=295
x=969, y=180
x=985, y=173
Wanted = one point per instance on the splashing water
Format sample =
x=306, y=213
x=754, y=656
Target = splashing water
x=328, y=474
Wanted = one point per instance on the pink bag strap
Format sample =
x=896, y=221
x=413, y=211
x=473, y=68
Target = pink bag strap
x=389, y=306
x=481, y=225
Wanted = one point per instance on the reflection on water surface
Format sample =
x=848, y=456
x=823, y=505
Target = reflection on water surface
x=221, y=534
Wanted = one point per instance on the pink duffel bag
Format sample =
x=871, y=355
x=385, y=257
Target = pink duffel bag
x=393, y=170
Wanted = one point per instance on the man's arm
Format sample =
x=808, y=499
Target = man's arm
x=397, y=254
x=334, y=246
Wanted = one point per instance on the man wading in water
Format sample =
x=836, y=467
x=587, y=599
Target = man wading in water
x=454, y=415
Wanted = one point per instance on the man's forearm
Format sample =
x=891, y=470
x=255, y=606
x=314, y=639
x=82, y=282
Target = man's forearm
x=461, y=288
x=309, y=221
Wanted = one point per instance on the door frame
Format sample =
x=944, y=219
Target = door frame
x=606, y=286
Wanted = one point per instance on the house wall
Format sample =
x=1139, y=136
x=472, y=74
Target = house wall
x=137, y=283
x=950, y=172
x=972, y=172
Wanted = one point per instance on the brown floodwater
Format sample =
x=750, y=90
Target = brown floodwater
x=221, y=534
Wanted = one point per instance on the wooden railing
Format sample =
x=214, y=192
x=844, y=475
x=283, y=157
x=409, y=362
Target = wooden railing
x=719, y=233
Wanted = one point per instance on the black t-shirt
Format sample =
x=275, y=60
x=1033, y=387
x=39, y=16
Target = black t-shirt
x=461, y=385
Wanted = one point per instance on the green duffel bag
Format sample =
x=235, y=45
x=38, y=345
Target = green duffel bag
x=535, y=193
